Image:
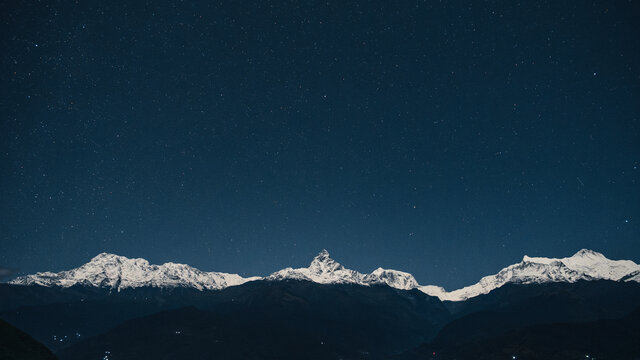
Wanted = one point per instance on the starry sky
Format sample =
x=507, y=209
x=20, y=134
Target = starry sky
x=442, y=138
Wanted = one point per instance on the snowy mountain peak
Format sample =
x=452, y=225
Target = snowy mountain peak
x=111, y=257
x=107, y=259
x=584, y=256
x=324, y=254
x=588, y=253
x=118, y=272
x=583, y=265
x=324, y=270
x=394, y=278
x=323, y=263
x=106, y=256
x=590, y=263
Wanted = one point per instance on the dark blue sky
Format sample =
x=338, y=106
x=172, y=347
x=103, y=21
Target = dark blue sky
x=440, y=138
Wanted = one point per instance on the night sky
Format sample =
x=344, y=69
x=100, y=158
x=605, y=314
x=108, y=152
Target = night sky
x=438, y=138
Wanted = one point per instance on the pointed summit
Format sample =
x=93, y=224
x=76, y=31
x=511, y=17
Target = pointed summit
x=103, y=256
x=588, y=253
x=323, y=269
x=323, y=263
x=323, y=253
x=323, y=256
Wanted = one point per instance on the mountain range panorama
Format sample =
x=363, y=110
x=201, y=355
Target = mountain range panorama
x=119, y=272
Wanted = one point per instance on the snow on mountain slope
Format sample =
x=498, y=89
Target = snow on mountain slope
x=593, y=264
x=434, y=290
x=583, y=265
x=634, y=276
x=324, y=270
x=118, y=272
x=394, y=278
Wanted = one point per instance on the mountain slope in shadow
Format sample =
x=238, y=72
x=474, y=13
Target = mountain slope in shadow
x=605, y=339
x=189, y=333
x=539, y=321
x=16, y=345
x=278, y=320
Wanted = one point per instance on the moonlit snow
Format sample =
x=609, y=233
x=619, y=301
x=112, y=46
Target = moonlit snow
x=118, y=272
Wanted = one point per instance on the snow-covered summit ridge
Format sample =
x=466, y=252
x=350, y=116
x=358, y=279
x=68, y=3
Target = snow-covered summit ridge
x=119, y=272
x=324, y=270
x=593, y=264
x=583, y=265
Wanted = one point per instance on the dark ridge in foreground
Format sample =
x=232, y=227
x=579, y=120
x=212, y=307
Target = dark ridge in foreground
x=16, y=345
x=544, y=321
x=277, y=320
x=296, y=319
x=605, y=339
x=189, y=333
x=350, y=319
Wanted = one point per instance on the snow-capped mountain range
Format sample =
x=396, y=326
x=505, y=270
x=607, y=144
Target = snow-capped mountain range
x=583, y=265
x=118, y=272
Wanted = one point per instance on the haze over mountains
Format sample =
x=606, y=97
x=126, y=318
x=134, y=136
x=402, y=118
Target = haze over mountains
x=118, y=272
